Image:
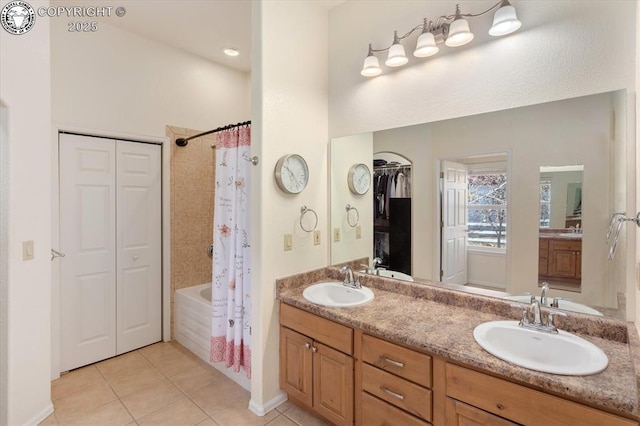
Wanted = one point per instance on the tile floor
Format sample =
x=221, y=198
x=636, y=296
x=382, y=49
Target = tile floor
x=161, y=384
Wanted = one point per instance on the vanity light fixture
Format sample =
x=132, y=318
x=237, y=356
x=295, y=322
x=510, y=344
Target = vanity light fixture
x=452, y=30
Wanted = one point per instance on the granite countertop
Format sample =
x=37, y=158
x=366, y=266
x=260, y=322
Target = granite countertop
x=441, y=322
x=560, y=236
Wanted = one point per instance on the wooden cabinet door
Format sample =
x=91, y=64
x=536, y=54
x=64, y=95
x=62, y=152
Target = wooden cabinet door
x=333, y=384
x=460, y=414
x=563, y=263
x=296, y=368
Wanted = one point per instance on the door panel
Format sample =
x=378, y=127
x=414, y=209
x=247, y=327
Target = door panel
x=87, y=237
x=454, y=223
x=139, y=289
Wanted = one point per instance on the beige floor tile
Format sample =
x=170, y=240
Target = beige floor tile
x=303, y=418
x=197, y=377
x=181, y=412
x=75, y=381
x=151, y=398
x=111, y=414
x=49, y=421
x=173, y=364
x=135, y=381
x=284, y=406
x=207, y=422
x=220, y=395
x=240, y=415
x=123, y=365
x=282, y=420
x=158, y=350
x=80, y=403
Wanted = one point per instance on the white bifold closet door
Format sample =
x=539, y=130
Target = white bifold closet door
x=110, y=231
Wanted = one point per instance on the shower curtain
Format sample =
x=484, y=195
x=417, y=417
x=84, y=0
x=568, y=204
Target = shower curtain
x=231, y=299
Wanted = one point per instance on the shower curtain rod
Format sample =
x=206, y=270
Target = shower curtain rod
x=185, y=141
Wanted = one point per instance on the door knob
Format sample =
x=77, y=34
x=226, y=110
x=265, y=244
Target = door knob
x=135, y=257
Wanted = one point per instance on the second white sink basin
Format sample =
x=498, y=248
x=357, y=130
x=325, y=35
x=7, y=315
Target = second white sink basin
x=394, y=274
x=562, y=353
x=337, y=295
x=565, y=305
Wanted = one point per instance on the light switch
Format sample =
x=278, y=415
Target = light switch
x=358, y=232
x=288, y=242
x=336, y=235
x=316, y=238
x=27, y=250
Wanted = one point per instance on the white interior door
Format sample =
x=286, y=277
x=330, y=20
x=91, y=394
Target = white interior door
x=139, y=255
x=88, y=238
x=454, y=223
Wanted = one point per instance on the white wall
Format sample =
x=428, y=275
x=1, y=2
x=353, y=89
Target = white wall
x=116, y=80
x=25, y=101
x=345, y=152
x=289, y=67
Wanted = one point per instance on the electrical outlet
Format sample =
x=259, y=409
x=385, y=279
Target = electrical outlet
x=316, y=238
x=288, y=242
x=27, y=250
x=358, y=232
x=336, y=235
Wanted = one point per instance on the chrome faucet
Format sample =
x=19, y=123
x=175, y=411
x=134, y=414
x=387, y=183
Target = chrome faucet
x=532, y=317
x=374, y=265
x=543, y=293
x=348, y=278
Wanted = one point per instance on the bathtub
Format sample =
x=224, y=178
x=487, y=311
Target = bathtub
x=192, y=327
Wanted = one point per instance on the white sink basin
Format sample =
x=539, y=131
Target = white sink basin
x=565, y=305
x=562, y=353
x=336, y=295
x=388, y=273
x=569, y=235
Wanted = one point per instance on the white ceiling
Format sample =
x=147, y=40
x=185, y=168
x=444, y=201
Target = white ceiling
x=200, y=27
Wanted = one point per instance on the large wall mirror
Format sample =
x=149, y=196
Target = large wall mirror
x=499, y=203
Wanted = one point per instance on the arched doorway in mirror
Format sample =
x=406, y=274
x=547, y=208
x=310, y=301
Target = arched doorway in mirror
x=392, y=179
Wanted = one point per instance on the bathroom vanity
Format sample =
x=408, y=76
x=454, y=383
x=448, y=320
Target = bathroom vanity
x=409, y=358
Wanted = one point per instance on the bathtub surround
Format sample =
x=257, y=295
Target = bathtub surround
x=231, y=300
x=192, y=192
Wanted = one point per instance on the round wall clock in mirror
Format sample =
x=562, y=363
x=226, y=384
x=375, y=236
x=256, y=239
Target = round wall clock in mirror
x=359, y=178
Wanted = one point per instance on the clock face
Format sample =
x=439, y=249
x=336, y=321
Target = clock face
x=359, y=179
x=292, y=174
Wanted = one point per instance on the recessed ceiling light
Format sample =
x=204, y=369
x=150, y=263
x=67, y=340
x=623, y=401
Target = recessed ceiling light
x=230, y=52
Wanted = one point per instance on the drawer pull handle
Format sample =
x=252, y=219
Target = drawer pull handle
x=392, y=362
x=500, y=407
x=392, y=393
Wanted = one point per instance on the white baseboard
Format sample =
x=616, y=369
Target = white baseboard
x=46, y=412
x=263, y=409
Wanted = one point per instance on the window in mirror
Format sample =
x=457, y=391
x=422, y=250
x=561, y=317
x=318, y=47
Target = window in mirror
x=545, y=201
x=487, y=209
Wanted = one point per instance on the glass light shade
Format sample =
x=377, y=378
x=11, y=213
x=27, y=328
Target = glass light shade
x=426, y=46
x=396, y=56
x=505, y=21
x=371, y=67
x=459, y=33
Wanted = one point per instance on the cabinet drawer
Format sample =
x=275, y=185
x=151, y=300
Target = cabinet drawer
x=565, y=245
x=521, y=404
x=399, y=392
x=398, y=360
x=323, y=330
x=378, y=413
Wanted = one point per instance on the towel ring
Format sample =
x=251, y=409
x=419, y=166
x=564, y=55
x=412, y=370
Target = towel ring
x=349, y=208
x=304, y=210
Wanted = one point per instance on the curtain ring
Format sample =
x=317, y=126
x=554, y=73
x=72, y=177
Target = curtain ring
x=349, y=208
x=304, y=210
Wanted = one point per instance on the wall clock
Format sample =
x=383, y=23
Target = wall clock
x=359, y=178
x=291, y=173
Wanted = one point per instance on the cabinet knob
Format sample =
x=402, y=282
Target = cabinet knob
x=307, y=345
x=500, y=406
x=314, y=349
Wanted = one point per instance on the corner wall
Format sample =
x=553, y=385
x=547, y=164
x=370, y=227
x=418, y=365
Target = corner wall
x=289, y=113
x=25, y=100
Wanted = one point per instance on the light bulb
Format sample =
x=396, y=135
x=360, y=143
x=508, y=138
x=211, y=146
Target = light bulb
x=505, y=20
x=426, y=46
